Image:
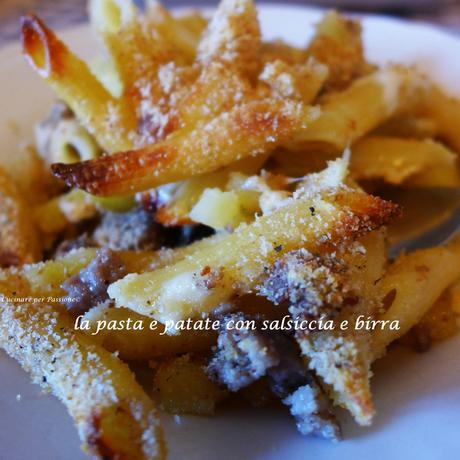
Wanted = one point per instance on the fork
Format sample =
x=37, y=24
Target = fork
x=437, y=234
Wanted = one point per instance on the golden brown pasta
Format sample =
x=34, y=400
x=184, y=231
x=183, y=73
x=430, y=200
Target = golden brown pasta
x=302, y=81
x=337, y=44
x=201, y=122
x=410, y=161
x=411, y=286
x=248, y=129
x=342, y=359
x=348, y=115
x=113, y=415
x=19, y=240
x=100, y=113
x=234, y=263
x=233, y=36
x=145, y=344
x=443, y=111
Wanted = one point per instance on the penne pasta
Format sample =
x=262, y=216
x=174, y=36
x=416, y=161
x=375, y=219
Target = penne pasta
x=184, y=35
x=217, y=89
x=19, y=241
x=348, y=115
x=342, y=358
x=99, y=391
x=411, y=286
x=410, y=162
x=269, y=148
x=138, y=48
x=301, y=81
x=233, y=265
x=279, y=50
x=99, y=112
x=408, y=125
x=337, y=44
x=194, y=22
x=148, y=343
x=233, y=36
x=45, y=278
x=443, y=111
x=249, y=129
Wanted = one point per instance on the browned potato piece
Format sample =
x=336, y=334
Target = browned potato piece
x=184, y=388
x=185, y=194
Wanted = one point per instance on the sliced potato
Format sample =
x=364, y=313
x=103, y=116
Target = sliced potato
x=184, y=388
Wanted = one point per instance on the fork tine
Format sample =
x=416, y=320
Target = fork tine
x=437, y=235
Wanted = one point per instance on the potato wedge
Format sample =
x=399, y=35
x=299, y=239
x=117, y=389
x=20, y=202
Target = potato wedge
x=183, y=387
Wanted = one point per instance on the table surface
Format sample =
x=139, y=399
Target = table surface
x=61, y=13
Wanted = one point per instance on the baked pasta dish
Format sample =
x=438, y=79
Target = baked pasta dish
x=208, y=219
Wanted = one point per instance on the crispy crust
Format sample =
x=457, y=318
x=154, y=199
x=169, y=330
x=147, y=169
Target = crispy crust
x=19, y=242
x=233, y=36
x=342, y=362
x=316, y=288
x=171, y=292
x=363, y=213
x=113, y=415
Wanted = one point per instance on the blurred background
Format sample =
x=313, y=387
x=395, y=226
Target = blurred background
x=61, y=13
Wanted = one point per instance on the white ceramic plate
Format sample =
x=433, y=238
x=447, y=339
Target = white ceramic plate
x=411, y=5
x=417, y=396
